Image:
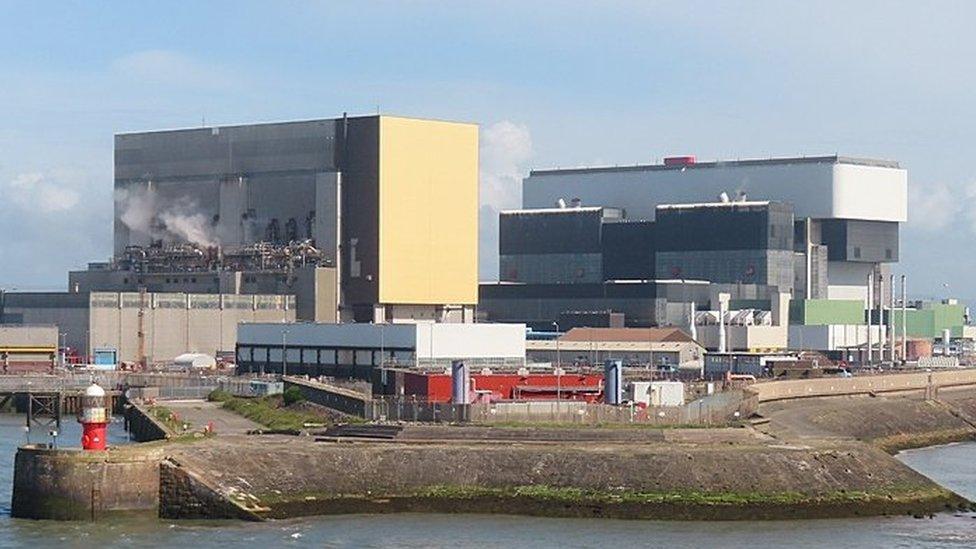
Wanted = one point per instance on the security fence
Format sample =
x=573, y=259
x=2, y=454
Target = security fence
x=718, y=409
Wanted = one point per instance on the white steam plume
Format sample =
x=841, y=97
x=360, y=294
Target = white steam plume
x=142, y=211
x=506, y=148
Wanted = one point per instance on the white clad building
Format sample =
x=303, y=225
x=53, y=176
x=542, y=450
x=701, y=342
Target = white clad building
x=354, y=350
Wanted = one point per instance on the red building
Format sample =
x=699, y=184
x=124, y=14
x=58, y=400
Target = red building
x=436, y=387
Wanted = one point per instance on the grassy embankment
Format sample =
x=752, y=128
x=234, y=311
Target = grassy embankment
x=271, y=411
x=168, y=418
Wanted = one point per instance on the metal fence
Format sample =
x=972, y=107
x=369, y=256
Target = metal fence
x=170, y=393
x=718, y=409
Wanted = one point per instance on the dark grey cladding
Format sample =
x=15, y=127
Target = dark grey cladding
x=745, y=226
x=204, y=152
x=860, y=241
x=569, y=231
x=628, y=250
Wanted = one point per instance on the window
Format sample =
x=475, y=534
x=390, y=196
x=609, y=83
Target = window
x=888, y=253
x=857, y=252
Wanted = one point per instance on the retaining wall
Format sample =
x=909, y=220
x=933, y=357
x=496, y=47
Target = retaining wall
x=331, y=396
x=807, y=388
x=142, y=426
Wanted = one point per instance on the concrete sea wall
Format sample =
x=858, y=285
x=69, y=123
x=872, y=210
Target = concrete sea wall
x=892, y=422
x=737, y=480
x=184, y=494
x=888, y=383
x=76, y=485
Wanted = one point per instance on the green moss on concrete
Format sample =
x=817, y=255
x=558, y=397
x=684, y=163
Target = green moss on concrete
x=572, y=502
x=613, y=426
x=909, y=441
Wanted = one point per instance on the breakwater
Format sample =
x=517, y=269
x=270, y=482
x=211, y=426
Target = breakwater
x=820, y=456
x=741, y=479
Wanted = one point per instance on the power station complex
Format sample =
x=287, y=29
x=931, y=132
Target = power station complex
x=738, y=252
x=361, y=219
x=364, y=219
x=349, y=224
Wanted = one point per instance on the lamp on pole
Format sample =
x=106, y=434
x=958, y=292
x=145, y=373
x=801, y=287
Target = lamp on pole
x=559, y=384
x=284, y=353
x=63, y=350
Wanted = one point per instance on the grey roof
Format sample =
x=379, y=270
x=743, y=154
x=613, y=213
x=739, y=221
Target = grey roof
x=830, y=159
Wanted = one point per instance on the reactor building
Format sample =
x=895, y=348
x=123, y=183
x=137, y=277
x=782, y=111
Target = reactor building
x=666, y=244
x=361, y=218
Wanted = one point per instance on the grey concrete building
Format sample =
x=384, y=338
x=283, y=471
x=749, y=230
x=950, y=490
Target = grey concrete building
x=145, y=327
x=364, y=218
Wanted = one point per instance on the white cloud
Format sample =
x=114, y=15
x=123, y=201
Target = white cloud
x=506, y=149
x=171, y=68
x=50, y=221
x=51, y=192
x=937, y=206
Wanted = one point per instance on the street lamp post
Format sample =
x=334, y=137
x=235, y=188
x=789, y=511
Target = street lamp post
x=284, y=354
x=559, y=384
x=63, y=351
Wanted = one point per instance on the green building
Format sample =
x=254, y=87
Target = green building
x=820, y=312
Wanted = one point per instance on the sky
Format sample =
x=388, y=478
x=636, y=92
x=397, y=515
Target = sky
x=551, y=84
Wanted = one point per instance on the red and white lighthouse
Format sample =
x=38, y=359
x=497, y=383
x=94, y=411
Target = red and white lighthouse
x=94, y=418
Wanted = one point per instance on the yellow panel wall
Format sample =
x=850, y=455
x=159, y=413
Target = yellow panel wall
x=428, y=212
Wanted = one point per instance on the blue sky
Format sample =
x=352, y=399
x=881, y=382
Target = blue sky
x=552, y=83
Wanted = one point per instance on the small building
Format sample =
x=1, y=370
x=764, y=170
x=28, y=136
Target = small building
x=840, y=341
x=657, y=393
x=717, y=365
x=355, y=350
x=662, y=348
x=28, y=348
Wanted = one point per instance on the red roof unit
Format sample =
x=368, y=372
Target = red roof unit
x=686, y=160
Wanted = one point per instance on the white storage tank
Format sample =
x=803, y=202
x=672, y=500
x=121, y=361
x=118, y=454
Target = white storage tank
x=195, y=361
